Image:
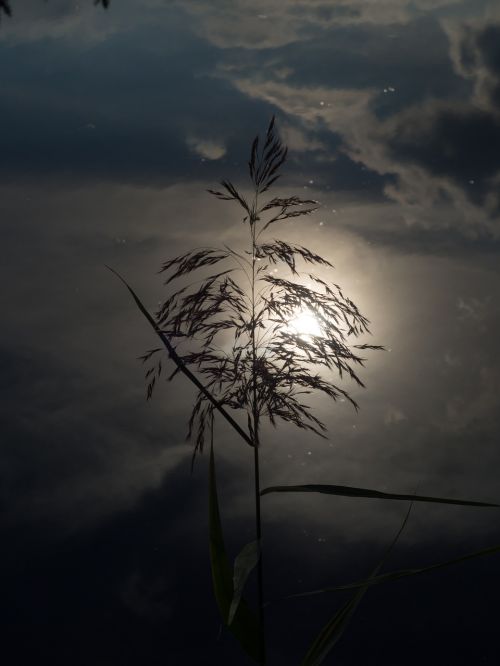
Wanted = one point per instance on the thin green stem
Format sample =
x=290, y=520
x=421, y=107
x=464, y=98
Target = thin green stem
x=260, y=577
x=256, y=442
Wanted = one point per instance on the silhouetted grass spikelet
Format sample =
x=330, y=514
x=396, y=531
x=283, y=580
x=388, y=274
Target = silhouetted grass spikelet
x=213, y=323
x=234, y=329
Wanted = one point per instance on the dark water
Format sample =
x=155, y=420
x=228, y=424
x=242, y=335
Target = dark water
x=113, y=124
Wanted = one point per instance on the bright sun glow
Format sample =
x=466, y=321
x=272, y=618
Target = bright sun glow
x=305, y=325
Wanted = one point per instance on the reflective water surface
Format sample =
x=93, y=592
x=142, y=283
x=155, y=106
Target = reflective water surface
x=114, y=122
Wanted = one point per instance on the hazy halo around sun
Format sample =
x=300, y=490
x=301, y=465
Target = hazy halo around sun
x=305, y=325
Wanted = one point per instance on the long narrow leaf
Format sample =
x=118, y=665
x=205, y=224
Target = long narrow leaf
x=348, y=491
x=221, y=570
x=401, y=573
x=180, y=364
x=245, y=626
x=244, y=564
x=333, y=630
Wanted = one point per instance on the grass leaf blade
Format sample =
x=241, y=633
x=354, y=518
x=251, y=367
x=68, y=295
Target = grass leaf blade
x=401, y=573
x=221, y=570
x=180, y=364
x=349, y=491
x=245, y=626
x=333, y=630
x=244, y=564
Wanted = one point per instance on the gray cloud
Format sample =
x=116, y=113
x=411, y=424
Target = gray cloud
x=274, y=23
x=475, y=56
x=207, y=148
x=433, y=187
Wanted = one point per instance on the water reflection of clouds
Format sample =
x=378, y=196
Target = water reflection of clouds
x=184, y=93
x=273, y=23
x=34, y=20
x=117, y=122
x=439, y=157
x=435, y=144
x=425, y=142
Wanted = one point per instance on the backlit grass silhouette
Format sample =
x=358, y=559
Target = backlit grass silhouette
x=258, y=330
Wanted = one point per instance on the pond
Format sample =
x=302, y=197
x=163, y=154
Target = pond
x=116, y=118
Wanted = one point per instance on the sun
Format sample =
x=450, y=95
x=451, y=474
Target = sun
x=305, y=325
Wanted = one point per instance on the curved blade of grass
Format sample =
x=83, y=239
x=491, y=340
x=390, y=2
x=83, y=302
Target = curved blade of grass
x=180, y=363
x=333, y=630
x=348, y=491
x=401, y=573
x=244, y=626
x=244, y=564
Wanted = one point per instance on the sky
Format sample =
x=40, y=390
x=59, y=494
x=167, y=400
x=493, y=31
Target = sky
x=114, y=122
